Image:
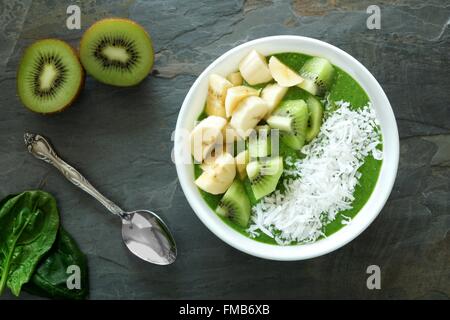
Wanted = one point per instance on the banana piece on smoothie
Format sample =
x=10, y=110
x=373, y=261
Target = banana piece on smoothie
x=254, y=68
x=242, y=160
x=272, y=94
x=235, y=78
x=217, y=91
x=205, y=136
x=218, y=176
x=248, y=113
x=282, y=74
x=236, y=95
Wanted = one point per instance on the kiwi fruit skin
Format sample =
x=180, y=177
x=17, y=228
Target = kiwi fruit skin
x=235, y=204
x=22, y=67
x=315, y=110
x=112, y=77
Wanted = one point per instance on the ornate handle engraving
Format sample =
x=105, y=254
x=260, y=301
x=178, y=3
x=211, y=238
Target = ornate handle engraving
x=41, y=149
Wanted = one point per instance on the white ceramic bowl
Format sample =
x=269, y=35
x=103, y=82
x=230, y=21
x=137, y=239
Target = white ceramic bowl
x=193, y=105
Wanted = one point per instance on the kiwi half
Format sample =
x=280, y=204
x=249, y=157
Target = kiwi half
x=235, y=204
x=117, y=52
x=50, y=76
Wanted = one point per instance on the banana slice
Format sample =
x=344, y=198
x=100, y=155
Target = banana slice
x=272, y=94
x=205, y=136
x=282, y=74
x=242, y=160
x=208, y=163
x=247, y=115
x=254, y=68
x=217, y=90
x=235, y=78
x=235, y=95
x=219, y=175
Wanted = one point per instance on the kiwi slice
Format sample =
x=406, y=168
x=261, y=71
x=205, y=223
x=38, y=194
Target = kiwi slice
x=280, y=122
x=309, y=86
x=50, y=76
x=118, y=52
x=315, y=118
x=291, y=118
x=320, y=72
x=264, y=175
x=235, y=204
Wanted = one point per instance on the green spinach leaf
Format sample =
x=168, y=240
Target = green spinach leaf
x=50, y=277
x=28, y=226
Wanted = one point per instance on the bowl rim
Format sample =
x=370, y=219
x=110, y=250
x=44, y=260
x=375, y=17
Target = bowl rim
x=383, y=186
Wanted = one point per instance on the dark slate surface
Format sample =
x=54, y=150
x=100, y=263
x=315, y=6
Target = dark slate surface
x=120, y=138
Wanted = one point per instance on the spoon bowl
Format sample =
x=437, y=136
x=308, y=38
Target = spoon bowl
x=142, y=229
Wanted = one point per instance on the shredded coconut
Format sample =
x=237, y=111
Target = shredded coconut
x=320, y=185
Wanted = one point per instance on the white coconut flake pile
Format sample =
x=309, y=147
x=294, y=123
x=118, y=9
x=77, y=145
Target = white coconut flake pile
x=320, y=185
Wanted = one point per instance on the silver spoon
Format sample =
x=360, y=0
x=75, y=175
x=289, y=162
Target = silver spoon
x=143, y=232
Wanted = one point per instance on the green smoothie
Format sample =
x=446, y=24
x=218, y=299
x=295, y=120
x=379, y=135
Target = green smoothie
x=344, y=88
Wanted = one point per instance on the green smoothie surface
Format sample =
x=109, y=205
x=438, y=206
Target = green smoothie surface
x=344, y=88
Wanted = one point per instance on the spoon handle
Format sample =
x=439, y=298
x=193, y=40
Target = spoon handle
x=41, y=149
